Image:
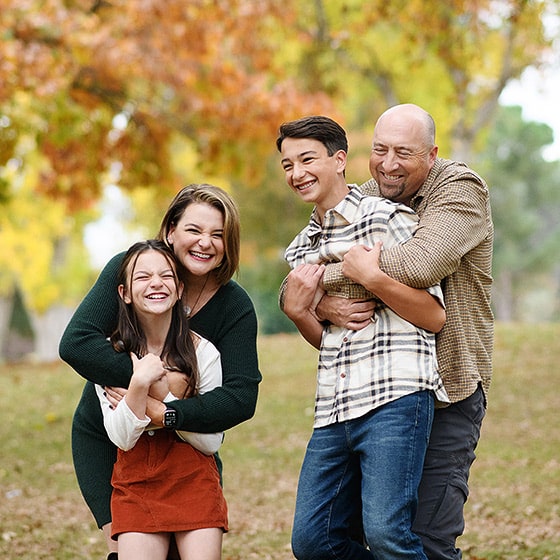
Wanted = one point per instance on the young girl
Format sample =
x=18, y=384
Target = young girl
x=162, y=485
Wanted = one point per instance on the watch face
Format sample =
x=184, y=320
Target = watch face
x=170, y=418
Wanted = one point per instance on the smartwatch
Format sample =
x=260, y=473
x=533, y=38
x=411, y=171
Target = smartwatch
x=170, y=418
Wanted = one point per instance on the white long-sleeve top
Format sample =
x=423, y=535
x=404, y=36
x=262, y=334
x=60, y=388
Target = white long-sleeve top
x=124, y=428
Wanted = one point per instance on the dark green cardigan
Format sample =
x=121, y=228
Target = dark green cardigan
x=228, y=320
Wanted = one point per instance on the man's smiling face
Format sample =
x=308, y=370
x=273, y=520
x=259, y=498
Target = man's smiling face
x=401, y=157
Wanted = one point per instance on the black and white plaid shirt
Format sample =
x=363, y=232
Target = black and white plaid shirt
x=359, y=371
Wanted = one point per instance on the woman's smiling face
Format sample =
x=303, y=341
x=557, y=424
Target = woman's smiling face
x=197, y=238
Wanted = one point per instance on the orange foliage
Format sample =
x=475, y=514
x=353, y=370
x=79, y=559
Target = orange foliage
x=203, y=69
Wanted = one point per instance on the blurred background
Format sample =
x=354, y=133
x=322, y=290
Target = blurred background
x=108, y=108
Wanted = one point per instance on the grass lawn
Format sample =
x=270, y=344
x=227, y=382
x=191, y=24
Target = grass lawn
x=513, y=511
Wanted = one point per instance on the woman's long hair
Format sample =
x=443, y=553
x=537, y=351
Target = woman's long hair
x=178, y=352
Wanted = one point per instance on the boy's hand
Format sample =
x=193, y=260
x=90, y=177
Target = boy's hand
x=353, y=314
x=302, y=290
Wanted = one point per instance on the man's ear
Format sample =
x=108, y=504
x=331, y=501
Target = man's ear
x=433, y=155
x=123, y=294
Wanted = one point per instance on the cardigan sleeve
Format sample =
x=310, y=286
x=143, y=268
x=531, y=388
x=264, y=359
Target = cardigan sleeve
x=229, y=321
x=84, y=345
x=210, y=377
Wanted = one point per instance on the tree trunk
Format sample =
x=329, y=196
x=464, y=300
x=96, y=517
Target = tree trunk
x=5, y=314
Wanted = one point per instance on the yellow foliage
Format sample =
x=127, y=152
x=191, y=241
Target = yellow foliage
x=32, y=228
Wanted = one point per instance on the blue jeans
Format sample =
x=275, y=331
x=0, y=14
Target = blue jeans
x=377, y=459
x=443, y=490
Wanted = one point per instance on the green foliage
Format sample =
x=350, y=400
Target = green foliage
x=454, y=58
x=262, y=281
x=512, y=512
x=525, y=200
x=19, y=318
x=271, y=216
x=523, y=188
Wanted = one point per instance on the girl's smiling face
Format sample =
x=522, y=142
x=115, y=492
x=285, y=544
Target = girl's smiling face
x=152, y=285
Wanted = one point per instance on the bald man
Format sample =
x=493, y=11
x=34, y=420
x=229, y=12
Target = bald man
x=452, y=245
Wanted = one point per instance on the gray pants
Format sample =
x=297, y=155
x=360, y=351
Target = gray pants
x=444, y=488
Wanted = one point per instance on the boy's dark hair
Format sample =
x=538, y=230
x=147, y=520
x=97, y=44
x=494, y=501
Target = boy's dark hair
x=323, y=129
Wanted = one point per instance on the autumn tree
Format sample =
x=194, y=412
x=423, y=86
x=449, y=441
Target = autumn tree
x=200, y=69
x=454, y=58
x=92, y=90
x=152, y=95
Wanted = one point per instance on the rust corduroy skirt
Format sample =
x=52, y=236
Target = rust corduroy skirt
x=165, y=485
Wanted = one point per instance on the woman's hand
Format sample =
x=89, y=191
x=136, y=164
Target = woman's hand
x=115, y=395
x=155, y=410
x=160, y=388
x=154, y=407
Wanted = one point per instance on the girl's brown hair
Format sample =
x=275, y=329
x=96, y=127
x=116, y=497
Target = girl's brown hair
x=178, y=352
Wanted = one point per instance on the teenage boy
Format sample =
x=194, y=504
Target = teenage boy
x=376, y=386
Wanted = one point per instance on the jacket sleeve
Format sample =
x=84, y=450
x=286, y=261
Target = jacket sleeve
x=235, y=337
x=84, y=345
x=453, y=222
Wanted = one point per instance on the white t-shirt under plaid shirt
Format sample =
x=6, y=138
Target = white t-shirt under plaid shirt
x=359, y=371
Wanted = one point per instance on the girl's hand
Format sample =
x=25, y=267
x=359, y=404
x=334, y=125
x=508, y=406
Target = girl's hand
x=147, y=370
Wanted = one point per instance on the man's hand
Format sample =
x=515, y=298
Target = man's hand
x=361, y=265
x=353, y=314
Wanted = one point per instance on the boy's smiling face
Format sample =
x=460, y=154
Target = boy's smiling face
x=312, y=174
